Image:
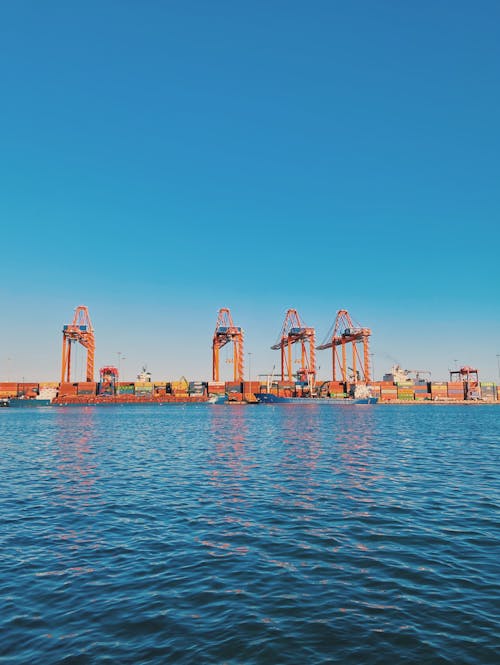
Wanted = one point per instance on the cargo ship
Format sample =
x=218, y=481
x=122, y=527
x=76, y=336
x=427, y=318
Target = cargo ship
x=269, y=398
x=359, y=394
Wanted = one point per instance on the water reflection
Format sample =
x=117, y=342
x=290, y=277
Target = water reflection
x=75, y=467
x=75, y=472
x=302, y=450
x=229, y=464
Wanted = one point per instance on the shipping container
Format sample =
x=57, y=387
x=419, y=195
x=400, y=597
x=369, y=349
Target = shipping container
x=456, y=390
x=216, y=390
x=125, y=389
x=251, y=387
x=8, y=389
x=68, y=389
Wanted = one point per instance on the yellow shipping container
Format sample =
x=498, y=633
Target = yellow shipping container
x=180, y=385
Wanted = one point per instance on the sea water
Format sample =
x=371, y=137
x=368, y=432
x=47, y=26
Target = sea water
x=249, y=534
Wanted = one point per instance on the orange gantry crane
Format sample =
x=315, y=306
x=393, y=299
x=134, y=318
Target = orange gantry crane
x=294, y=332
x=226, y=332
x=342, y=333
x=80, y=331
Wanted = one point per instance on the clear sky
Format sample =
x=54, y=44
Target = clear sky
x=162, y=159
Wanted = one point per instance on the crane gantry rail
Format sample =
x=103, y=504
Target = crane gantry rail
x=294, y=332
x=226, y=332
x=79, y=331
x=342, y=333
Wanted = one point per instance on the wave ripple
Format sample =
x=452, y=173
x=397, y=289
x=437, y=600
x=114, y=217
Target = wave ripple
x=249, y=535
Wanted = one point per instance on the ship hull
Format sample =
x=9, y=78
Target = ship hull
x=17, y=403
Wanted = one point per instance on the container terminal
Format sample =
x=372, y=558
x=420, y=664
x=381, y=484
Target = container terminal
x=350, y=381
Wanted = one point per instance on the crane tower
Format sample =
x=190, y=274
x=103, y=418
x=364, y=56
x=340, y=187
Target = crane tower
x=294, y=332
x=342, y=333
x=226, y=332
x=80, y=331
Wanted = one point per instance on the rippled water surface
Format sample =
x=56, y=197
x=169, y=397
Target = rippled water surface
x=258, y=534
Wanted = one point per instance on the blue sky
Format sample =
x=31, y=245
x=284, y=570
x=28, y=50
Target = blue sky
x=160, y=160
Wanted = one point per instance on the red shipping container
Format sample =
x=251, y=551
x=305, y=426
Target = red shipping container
x=251, y=387
x=68, y=389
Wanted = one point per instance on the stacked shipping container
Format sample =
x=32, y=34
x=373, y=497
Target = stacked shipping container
x=406, y=392
x=216, y=387
x=422, y=391
x=337, y=389
x=456, y=390
x=388, y=391
x=125, y=388
x=143, y=388
x=8, y=389
x=439, y=390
